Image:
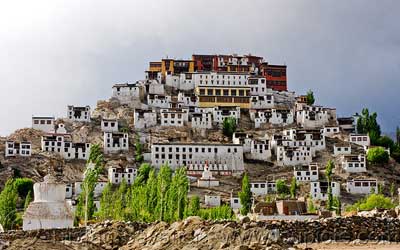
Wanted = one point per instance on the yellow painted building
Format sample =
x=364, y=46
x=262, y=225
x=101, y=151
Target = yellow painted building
x=226, y=96
x=171, y=66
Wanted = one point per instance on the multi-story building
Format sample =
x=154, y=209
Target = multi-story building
x=275, y=116
x=182, y=81
x=203, y=62
x=347, y=124
x=293, y=156
x=220, y=113
x=188, y=100
x=362, y=186
x=224, y=158
x=168, y=67
x=302, y=137
x=244, y=139
x=78, y=114
x=109, y=125
x=154, y=71
x=174, y=117
x=329, y=131
x=115, y=142
x=229, y=96
x=14, y=148
x=306, y=173
x=275, y=76
x=260, y=149
x=117, y=174
x=315, y=116
x=262, y=102
x=354, y=163
x=342, y=149
x=319, y=189
x=158, y=101
x=263, y=188
x=63, y=145
x=43, y=123
x=144, y=118
x=201, y=120
x=220, y=79
x=359, y=139
x=128, y=92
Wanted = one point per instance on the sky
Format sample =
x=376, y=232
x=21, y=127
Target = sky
x=57, y=53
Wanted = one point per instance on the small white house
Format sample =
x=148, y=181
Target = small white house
x=188, y=100
x=235, y=203
x=97, y=192
x=127, y=92
x=220, y=113
x=263, y=188
x=362, y=140
x=144, y=118
x=330, y=131
x=18, y=148
x=183, y=81
x=307, y=173
x=45, y=124
x=212, y=200
x=360, y=186
x=78, y=114
x=262, y=102
x=109, y=125
x=201, y=120
x=260, y=149
x=243, y=138
x=293, y=156
x=354, y=163
x=319, y=189
x=63, y=145
x=174, y=117
x=115, y=142
x=281, y=117
x=116, y=175
x=258, y=86
x=158, y=101
x=314, y=116
x=341, y=149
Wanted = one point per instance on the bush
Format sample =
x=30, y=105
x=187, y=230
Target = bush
x=229, y=126
x=223, y=212
x=23, y=186
x=282, y=188
x=377, y=155
x=371, y=202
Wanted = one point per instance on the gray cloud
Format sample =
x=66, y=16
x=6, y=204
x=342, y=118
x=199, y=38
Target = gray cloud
x=54, y=53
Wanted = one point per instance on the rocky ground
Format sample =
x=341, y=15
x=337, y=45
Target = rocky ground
x=196, y=234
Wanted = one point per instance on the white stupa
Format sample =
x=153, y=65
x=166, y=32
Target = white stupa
x=207, y=180
x=49, y=209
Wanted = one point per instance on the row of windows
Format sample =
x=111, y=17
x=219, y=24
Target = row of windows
x=196, y=149
x=42, y=122
x=365, y=184
x=223, y=77
x=224, y=92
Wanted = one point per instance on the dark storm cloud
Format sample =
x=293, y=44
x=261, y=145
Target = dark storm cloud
x=54, y=53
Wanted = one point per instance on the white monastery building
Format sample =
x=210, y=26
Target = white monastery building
x=14, y=148
x=63, y=145
x=116, y=175
x=262, y=188
x=319, y=189
x=342, y=149
x=212, y=200
x=115, y=142
x=362, y=186
x=362, y=140
x=307, y=173
x=45, y=124
x=109, y=125
x=78, y=114
x=127, y=92
x=144, y=118
x=354, y=163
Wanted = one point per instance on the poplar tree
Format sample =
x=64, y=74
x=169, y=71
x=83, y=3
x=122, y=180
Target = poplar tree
x=310, y=98
x=293, y=188
x=163, y=184
x=193, y=208
x=106, y=203
x=8, y=205
x=245, y=196
x=28, y=200
x=328, y=173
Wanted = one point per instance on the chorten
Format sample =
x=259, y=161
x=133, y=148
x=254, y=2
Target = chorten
x=49, y=209
x=207, y=180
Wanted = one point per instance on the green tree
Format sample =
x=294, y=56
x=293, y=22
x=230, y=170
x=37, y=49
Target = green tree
x=395, y=154
x=392, y=190
x=229, y=126
x=223, y=212
x=398, y=135
x=377, y=155
x=120, y=201
x=28, y=200
x=282, y=188
x=380, y=188
x=193, y=206
x=106, y=203
x=245, y=195
x=163, y=183
x=367, y=124
x=328, y=173
x=371, y=202
x=138, y=151
x=310, y=97
x=23, y=186
x=337, y=205
x=8, y=205
x=310, y=205
x=293, y=188
x=386, y=142
x=85, y=208
x=177, y=195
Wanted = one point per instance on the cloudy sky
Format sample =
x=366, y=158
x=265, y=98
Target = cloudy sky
x=54, y=53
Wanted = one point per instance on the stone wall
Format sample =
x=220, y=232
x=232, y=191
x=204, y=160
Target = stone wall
x=45, y=234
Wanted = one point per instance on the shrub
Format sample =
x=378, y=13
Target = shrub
x=371, y=202
x=377, y=155
x=229, y=126
x=282, y=188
